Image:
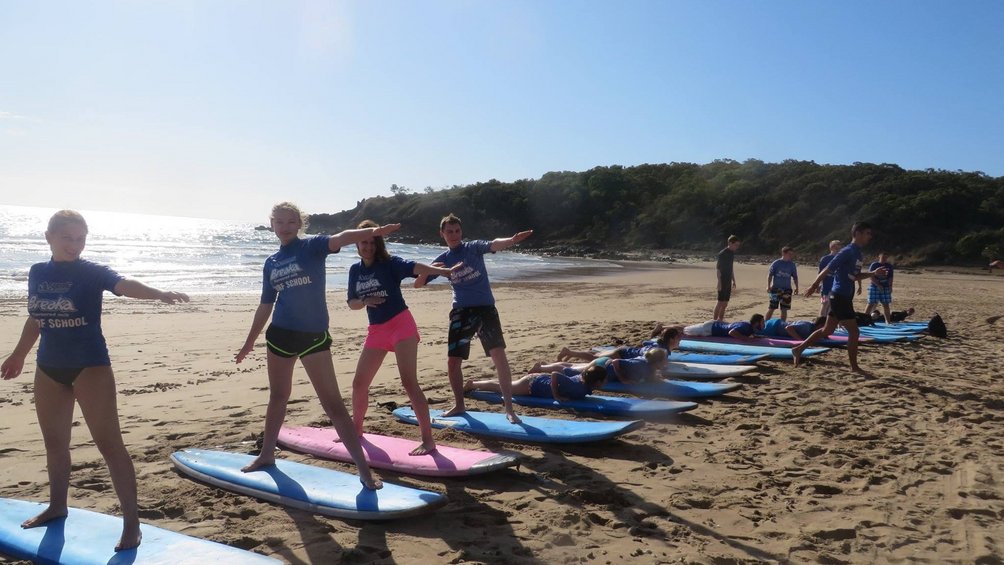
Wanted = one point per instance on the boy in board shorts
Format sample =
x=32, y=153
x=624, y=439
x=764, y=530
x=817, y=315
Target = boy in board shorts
x=474, y=311
x=880, y=291
x=780, y=276
x=846, y=270
x=726, y=276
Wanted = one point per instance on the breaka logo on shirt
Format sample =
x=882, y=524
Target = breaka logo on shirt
x=61, y=304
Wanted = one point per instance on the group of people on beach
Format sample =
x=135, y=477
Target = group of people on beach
x=840, y=272
x=73, y=364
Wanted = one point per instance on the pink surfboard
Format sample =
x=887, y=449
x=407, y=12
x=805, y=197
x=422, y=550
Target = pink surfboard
x=384, y=452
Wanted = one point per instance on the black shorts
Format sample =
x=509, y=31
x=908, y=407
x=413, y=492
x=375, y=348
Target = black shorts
x=466, y=322
x=62, y=375
x=291, y=343
x=725, y=294
x=842, y=307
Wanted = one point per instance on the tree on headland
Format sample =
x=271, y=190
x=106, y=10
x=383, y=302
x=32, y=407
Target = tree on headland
x=932, y=216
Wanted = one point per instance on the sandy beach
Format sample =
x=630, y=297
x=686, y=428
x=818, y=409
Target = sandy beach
x=807, y=465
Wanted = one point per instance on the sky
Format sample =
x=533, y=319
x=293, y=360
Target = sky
x=221, y=108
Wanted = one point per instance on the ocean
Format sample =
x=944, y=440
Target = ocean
x=201, y=256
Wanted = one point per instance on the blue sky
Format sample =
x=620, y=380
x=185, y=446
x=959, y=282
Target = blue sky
x=221, y=108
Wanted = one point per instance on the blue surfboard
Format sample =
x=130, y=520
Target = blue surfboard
x=89, y=537
x=531, y=429
x=606, y=405
x=673, y=389
x=307, y=487
x=771, y=352
x=716, y=358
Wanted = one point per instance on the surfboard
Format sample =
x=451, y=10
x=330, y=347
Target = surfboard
x=307, y=487
x=673, y=389
x=774, y=341
x=384, y=452
x=90, y=537
x=606, y=405
x=716, y=358
x=704, y=371
x=531, y=429
x=771, y=352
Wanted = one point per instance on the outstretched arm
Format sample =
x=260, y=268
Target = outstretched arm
x=819, y=280
x=347, y=237
x=14, y=362
x=135, y=289
x=261, y=316
x=507, y=242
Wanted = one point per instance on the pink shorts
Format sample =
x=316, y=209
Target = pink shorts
x=388, y=334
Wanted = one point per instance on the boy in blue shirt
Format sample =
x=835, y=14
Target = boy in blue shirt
x=846, y=270
x=474, y=311
x=880, y=291
x=780, y=276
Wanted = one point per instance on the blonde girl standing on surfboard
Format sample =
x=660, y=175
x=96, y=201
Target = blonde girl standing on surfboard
x=375, y=284
x=64, y=309
x=293, y=285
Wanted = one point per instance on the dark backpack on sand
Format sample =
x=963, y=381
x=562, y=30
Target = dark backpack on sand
x=936, y=326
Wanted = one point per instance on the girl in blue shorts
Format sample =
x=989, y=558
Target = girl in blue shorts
x=375, y=284
x=64, y=309
x=293, y=284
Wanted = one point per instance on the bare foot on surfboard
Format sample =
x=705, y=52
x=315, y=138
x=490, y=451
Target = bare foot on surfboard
x=131, y=538
x=458, y=409
x=512, y=417
x=796, y=355
x=372, y=484
x=258, y=463
x=424, y=449
x=47, y=515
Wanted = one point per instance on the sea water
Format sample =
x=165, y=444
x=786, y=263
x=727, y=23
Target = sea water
x=203, y=256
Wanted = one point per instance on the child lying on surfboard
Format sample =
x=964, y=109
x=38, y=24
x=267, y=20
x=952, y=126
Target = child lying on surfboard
x=556, y=384
x=635, y=370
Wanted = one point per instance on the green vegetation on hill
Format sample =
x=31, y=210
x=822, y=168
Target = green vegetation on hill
x=922, y=217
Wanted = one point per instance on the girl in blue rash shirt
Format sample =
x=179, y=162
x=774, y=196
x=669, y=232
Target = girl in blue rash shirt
x=375, y=284
x=556, y=384
x=293, y=283
x=666, y=337
x=64, y=307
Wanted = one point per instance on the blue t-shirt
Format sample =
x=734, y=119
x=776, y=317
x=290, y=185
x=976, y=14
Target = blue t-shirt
x=845, y=266
x=634, y=370
x=721, y=329
x=293, y=279
x=783, y=272
x=470, y=284
x=881, y=282
x=382, y=279
x=65, y=298
x=568, y=386
x=827, y=283
x=775, y=327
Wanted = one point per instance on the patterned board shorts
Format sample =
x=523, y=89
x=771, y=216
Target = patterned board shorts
x=879, y=295
x=780, y=297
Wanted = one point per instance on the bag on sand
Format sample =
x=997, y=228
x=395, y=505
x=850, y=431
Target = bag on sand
x=936, y=326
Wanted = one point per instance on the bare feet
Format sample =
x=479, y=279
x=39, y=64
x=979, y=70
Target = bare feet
x=372, y=483
x=258, y=463
x=536, y=367
x=458, y=409
x=468, y=385
x=512, y=417
x=131, y=538
x=47, y=515
x=424, y=449
x=796, y=355
x=565, y=354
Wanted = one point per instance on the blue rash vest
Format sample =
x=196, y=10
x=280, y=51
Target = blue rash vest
x=845, y=266
x=64, y=297
x=827, y=284
x=568, y=386
x=293, y=279
x=783, y=272
x=381, y=279
x=470, y=284
x=721, y=329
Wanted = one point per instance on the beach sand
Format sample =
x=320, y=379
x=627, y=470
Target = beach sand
x=806, y=465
